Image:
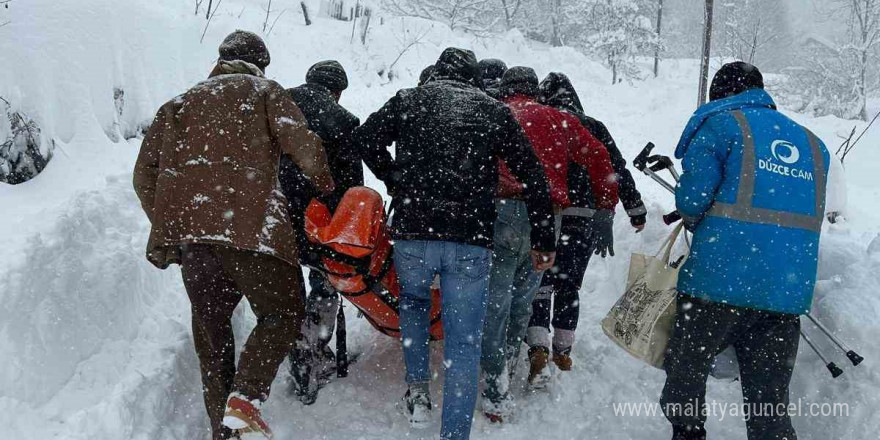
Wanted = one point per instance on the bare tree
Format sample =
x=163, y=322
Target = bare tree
x=268, y=11
x=748, y=26
x=475, y=16
x=511, y=9
x=835, y=75
x=210, y=18
x=864, y=16
x=659, y=27
x=306, y=13
x=407, y=41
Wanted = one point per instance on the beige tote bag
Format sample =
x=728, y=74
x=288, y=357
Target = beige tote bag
x=642, y=319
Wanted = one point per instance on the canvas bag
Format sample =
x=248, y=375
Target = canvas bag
x=642, y=320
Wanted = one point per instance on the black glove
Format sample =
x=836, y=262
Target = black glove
x=638, y=220
x=690, y=223
x=603, y=232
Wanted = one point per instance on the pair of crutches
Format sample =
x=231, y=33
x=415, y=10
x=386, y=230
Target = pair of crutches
x=652, y=165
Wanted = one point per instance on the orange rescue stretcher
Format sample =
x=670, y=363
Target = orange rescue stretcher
x=353, y=249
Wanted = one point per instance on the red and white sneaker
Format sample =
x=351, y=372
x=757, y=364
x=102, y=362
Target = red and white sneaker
x=243, y=418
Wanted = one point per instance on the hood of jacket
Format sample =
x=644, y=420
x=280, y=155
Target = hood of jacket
x=458, y=65
x=748, y=99
x=235, y=67
x=557, y=91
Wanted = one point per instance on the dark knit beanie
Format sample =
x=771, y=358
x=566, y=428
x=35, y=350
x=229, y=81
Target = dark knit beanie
x=329, y=74
x=245, y=46
x=492, y=70
x=519, y=80
x=458, y=64
x=735, y=78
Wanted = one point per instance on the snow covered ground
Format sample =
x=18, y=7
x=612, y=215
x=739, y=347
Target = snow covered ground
x=96, y=342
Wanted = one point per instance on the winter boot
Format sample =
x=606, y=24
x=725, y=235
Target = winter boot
x=562, y=358
x=539, y=374
x=302, y=370
x=324, y=365
x=682, y=432
x=243, y=418
x=418, y=405
x=500, y=410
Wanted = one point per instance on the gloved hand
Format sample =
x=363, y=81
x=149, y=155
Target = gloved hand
x=690, y=223
x=603, y=232
x=638, y=222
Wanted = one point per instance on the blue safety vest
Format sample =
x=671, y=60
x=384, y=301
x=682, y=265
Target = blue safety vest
x=755, y=180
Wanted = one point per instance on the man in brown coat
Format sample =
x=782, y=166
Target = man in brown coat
x=207, y=178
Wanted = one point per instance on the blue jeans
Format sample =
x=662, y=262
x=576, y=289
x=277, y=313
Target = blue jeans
x=512, y=288
x=464, y=281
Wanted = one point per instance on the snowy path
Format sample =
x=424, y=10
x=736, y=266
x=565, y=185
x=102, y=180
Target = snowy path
x=97, y=343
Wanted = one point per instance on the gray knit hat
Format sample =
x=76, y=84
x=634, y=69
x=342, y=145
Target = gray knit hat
x=329, y=74
x=245, y=46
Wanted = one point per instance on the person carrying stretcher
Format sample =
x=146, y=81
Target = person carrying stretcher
x=311, y=359
x=449, y=136
x=559, y=140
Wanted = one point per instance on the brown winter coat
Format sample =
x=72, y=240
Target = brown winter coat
x=207, y=171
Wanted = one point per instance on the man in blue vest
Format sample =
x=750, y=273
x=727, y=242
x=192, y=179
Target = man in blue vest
x=753, y=194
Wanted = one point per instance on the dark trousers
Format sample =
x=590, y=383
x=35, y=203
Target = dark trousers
x=322, y=304
x=216, y=278
x=766, y=346
x=560, y=286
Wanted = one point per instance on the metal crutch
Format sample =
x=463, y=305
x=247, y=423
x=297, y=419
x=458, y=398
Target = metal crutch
x=850, y=354
x=834, y=369
x=651, y=166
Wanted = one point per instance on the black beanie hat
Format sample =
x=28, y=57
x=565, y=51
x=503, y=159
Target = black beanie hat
x=519, y=80
x=458, y=64
x=329, y=74
x=735, y=78
x=245, y=46
x=492, y=70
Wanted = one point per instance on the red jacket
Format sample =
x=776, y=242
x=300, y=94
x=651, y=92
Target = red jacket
x=557, y=139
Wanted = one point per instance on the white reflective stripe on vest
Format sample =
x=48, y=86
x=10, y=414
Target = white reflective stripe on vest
x=743, y=210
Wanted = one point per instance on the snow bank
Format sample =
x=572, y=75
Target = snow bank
x=98, y=342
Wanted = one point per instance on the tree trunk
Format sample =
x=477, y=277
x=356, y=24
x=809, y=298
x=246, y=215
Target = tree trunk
x=208, y=14
x=306, y=13
x=657, y=51
x=707, y=50
x=863, y=68
x=555, y=37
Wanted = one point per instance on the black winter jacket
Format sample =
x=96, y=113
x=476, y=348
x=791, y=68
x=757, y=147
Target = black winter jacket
x=557, y=91
x=334, y=125
x=449, y=136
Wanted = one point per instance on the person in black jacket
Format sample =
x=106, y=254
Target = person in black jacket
x=311, y=358
x=585, y=231
x=491, y=71
x=449, y=136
